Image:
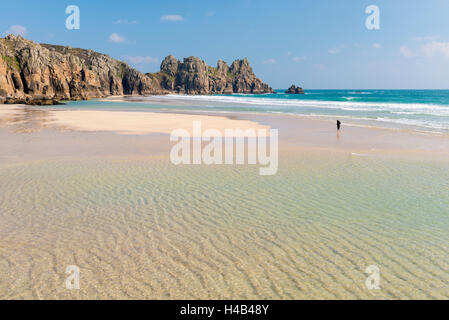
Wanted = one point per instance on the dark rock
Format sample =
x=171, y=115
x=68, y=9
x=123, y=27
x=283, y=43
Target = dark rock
x=294, y=90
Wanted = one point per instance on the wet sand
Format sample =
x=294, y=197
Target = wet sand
x=139, y=227
x=295, y=132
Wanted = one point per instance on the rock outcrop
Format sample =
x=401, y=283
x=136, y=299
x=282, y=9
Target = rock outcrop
x=35, y=73
x=194, y=76
x=44, y=74
x=294, y=90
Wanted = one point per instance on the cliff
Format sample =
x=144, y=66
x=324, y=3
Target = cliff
x=194, y=76
x=35, y=73
x=43, y=74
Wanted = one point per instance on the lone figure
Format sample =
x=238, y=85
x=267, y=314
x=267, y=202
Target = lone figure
x=338, y=126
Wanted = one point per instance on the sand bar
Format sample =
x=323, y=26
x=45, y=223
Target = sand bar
x=147, y=122
x=124, y=122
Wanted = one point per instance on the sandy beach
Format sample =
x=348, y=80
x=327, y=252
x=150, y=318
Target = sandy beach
x=122, y=122
x=297, y=132
x=96, y=189
x=229, y=157
x=146, y=122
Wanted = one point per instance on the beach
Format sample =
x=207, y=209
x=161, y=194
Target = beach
x=94, y=187
x=224, y=158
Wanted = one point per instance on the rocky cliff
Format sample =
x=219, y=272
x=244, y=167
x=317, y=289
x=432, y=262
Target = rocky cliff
x=194, y=76
x=44, y=74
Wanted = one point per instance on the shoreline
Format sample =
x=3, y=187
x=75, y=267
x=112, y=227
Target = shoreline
x=174, y=100
x=296, y=132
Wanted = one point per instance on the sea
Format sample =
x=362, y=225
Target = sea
x=422, y=110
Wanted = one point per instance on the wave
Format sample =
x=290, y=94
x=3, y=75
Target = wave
x=425, y=115
x=360, y=92
x=400, y=121
x=417, y=123
x=399, y=108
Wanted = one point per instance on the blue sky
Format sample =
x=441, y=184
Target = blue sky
x=316, y=44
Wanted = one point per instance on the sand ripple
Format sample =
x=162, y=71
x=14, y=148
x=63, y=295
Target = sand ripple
x=143, y=228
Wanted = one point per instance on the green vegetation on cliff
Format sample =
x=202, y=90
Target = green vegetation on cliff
x=13, y=63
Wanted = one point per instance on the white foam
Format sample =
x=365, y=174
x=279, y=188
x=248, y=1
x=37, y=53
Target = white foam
x=438, y=114
x=399, y=108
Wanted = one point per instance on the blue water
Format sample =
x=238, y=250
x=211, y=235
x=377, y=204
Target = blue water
x=418, y=109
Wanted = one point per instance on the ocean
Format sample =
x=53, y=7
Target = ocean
x=422, y=110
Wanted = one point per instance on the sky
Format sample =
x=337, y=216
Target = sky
x=320, y=44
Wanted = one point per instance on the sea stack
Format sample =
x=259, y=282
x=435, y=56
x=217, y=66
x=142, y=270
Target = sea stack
x=295, y=90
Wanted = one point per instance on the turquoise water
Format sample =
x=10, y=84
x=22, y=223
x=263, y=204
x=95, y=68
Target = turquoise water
x=418, y=109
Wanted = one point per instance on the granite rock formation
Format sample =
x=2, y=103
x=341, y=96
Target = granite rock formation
x=294, y=90
x=194, y=76
x=44, y=74
x=35, y=73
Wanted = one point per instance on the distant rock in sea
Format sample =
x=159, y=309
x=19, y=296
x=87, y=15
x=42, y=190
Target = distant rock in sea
x=294, y=90
x=35, y=73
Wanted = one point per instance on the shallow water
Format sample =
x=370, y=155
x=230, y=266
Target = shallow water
x=144, y=228
x=422, y=110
